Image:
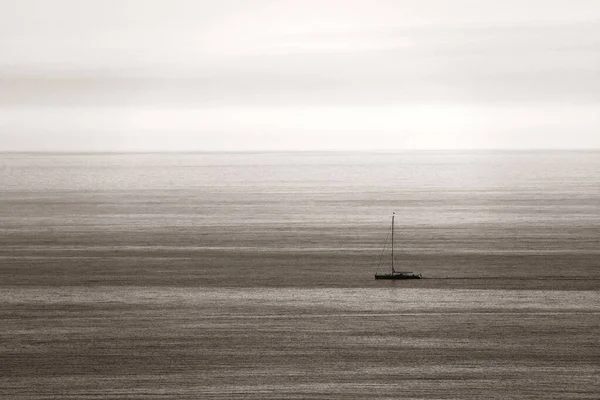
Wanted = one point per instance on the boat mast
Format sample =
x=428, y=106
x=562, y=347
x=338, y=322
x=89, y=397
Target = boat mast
x=393, y=215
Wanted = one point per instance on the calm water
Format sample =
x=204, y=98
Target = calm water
x=251, y=276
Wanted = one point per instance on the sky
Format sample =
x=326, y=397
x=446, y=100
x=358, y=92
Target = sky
x=259, y=75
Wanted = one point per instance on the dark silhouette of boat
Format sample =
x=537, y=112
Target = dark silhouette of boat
x=395, y=274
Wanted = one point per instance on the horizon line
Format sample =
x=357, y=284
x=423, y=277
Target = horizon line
x=533, y=149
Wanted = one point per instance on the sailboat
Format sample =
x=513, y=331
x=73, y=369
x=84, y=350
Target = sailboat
x=396, y=274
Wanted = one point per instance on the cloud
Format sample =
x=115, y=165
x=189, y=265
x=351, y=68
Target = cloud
x=490, y=64
x=134, y=67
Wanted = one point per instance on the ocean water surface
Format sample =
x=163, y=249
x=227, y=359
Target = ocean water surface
x=250, y=275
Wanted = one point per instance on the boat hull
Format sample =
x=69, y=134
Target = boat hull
x=398, y=276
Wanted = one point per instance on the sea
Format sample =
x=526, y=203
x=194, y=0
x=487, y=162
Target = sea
x=251, y=275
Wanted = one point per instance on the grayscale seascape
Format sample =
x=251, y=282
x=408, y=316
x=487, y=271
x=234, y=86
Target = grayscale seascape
x=250, y=275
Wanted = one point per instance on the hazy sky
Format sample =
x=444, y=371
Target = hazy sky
x=86, y=75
